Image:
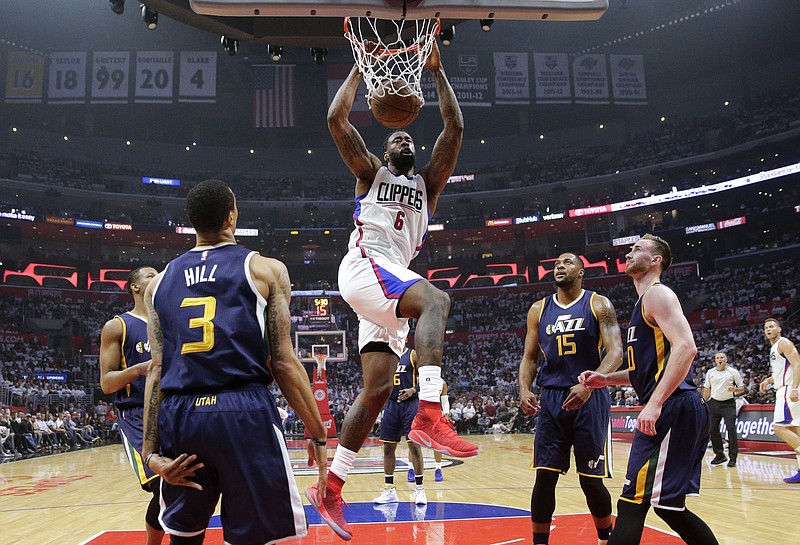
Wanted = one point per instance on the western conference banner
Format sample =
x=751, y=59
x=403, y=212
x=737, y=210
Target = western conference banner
x=627, y=79
x=24, y=78
x=469, y=76
x=551, y=77
x=511, y=78
x=590, y=79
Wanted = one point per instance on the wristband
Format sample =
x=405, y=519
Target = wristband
x=147, y=460
x=318, y=442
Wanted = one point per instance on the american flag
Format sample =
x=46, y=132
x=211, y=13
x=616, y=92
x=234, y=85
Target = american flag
x=273, y=96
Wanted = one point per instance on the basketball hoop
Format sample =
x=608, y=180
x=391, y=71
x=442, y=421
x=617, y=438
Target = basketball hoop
x=393, y=51
x=321, y=359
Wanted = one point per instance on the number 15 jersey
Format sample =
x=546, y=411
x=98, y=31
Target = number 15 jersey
x=213, y=321
x=569, y=338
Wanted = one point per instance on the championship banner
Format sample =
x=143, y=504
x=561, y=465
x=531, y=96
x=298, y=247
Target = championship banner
x=511, y=79
x=627, y=79
x=110, y=77
x=198, y=77
x=470, y=82
x=154, y=73
x=24, y=78
x=551, y=76
x=590, y=79
x=360, y=115
x=67, y=78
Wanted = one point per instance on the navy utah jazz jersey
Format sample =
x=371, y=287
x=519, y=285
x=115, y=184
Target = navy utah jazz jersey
x=648, y=354
x=406, y=374
x=135, y=349
x=569, y=337
x=213, y=321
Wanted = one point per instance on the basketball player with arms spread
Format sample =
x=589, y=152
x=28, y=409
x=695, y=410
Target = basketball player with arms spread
x=393, y=206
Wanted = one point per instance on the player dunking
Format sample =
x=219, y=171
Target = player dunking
x=393, y=205
x=571, y=329
x=124, y=358
x=785, y=363
x=219, y=330
x=398, y=413
x=672, y=429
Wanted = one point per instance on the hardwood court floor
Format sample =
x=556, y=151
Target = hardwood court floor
x=71, y=498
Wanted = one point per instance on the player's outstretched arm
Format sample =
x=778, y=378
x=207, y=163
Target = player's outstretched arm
x=448, y=145
x=361, y=162
x=271, y=276
x=529, y=365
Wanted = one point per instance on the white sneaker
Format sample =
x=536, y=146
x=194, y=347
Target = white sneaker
x=420, y=498
x=389, y=495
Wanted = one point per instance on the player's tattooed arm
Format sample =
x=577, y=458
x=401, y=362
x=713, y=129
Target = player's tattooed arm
x=152, y=391
x=283, y=363
x=609, y=333
x=361, y=162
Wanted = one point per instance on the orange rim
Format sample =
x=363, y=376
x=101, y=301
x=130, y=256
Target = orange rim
x=350, y=36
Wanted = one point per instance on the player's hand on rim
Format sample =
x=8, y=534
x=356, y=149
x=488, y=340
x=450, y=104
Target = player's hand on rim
x=177, y=472
x=434, y=60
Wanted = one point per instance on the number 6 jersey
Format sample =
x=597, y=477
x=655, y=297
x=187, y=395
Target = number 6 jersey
x=213, y=321
x=391, y=219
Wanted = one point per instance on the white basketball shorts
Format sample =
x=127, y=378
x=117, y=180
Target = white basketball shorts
x=787, y=412
x=372, y=286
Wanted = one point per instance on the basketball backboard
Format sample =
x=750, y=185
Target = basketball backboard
x=557, y=10
x=331, y=343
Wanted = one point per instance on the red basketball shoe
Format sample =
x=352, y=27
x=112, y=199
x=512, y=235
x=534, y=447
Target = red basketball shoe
x=330, y=509
x=440, y=436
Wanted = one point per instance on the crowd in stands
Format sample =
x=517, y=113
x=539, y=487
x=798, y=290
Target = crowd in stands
x=673, y=139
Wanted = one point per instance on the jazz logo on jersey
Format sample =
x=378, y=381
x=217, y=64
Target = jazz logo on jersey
x=564, y=324
x=143, y=347
x=632, y=334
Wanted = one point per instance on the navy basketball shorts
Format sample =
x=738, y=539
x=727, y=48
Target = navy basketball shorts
x=131, y=426
x=397, y=419
x=664, y=468
x=237, y=434
x=586, y=430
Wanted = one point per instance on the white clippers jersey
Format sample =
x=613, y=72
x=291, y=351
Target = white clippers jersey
x=781, y=370
x=391, y=220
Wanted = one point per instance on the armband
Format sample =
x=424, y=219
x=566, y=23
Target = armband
x=318, y=442
x=147, y=460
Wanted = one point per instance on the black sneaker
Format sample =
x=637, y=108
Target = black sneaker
x=732, y=463
x=719, y=459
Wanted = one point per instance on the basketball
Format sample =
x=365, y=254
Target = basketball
x=394, y=105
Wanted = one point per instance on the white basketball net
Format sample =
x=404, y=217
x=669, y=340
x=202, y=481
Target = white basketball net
x=389, y=51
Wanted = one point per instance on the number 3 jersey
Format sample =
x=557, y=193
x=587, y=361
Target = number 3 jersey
x=391, y=219
x=569, y=338
x=213, y=321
